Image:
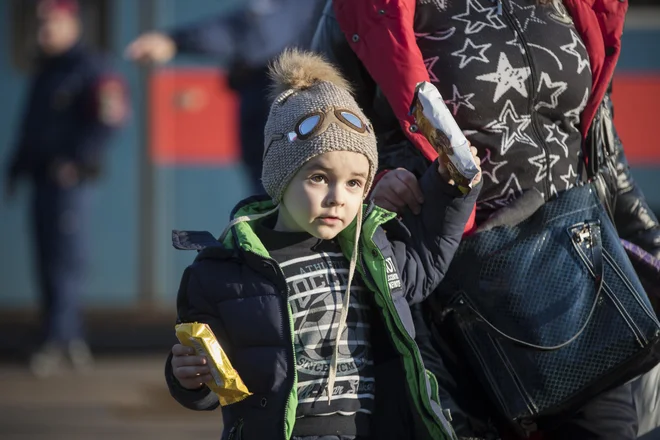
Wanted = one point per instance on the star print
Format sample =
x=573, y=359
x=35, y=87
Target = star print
x=559, y=87
x=516, y=43
x=574, y=114
x=549, y=52
x=441, y=5
x=512, y=127
x=436, y=36
x=569, y=178
x=553, y=190
x=471, y=52
x=477, y=17
x=429, y=63
x=507, y=77
x=541, y=162
x=528, y=12
x=570, y=49
x=509, y=193
x=556, y=135
x=489, y=167
x=459, y=100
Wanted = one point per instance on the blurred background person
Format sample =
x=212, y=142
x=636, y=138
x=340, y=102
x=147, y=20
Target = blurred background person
x=244, y=41
x=74, y=105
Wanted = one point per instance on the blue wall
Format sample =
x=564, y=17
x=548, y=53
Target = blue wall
x=185, y=198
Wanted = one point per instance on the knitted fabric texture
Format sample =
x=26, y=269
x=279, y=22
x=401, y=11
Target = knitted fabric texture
x=283, y=158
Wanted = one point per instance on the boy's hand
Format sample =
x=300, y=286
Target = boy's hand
x=396, y=190
x=189, y=369
x=444, y=172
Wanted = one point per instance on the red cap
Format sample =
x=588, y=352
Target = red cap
x=62, y=6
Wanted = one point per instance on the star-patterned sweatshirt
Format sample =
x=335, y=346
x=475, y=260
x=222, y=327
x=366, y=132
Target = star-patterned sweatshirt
x=516, y=82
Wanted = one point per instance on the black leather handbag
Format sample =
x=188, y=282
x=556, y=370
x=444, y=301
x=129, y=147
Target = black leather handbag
x=550, y=312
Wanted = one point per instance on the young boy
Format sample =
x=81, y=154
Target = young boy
x=306, y=291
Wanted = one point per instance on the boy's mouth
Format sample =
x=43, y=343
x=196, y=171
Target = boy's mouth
x=329, y=220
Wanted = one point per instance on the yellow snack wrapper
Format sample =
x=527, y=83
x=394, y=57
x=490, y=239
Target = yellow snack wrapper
x=227, y=384
x=436, y=123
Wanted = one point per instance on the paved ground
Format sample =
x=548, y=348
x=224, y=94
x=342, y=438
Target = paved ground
x=125, y=398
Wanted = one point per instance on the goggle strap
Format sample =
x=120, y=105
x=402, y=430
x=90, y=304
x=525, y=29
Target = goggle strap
x=245, y=218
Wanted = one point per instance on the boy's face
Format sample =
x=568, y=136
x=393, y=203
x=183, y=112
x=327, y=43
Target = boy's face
x=324, y=196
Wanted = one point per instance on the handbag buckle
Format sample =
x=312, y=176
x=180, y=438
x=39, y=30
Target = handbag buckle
x=583, y=235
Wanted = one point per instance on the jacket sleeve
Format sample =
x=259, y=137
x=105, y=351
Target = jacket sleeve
x=192, y=307
x=252, y=34
x=423, y=256
x=215, y=36
x=634, y=219
x=381, y=33
x=199, y=400
x=330, y=42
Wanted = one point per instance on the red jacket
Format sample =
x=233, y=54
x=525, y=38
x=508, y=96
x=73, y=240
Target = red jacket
x=382, y=35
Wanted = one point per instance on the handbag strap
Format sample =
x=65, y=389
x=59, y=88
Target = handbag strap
x=589, y=235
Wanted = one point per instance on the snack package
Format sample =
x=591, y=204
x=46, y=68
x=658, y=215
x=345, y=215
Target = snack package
x=227, y=384
x=436, y=123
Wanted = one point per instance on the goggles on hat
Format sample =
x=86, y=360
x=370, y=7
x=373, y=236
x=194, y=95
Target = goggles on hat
x=315, y=123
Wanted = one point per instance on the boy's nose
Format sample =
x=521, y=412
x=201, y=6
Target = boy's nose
x=335, y=197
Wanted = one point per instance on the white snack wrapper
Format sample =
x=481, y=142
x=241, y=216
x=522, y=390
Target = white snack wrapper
x=438, y=115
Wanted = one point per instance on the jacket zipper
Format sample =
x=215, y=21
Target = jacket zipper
x=400, y=327
x=293, y=346
x=289, y=318
x=534, y=94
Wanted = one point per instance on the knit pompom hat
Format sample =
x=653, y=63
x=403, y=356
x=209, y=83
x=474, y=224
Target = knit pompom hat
x=305, y=84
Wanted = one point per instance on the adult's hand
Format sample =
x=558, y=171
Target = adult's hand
x=151, y=48
x=397, y=189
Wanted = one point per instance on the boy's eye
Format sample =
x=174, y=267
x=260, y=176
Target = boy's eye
x=317, y=178
x=354, y=183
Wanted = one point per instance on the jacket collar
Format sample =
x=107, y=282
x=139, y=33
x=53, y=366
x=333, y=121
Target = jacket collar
x=243, y=236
